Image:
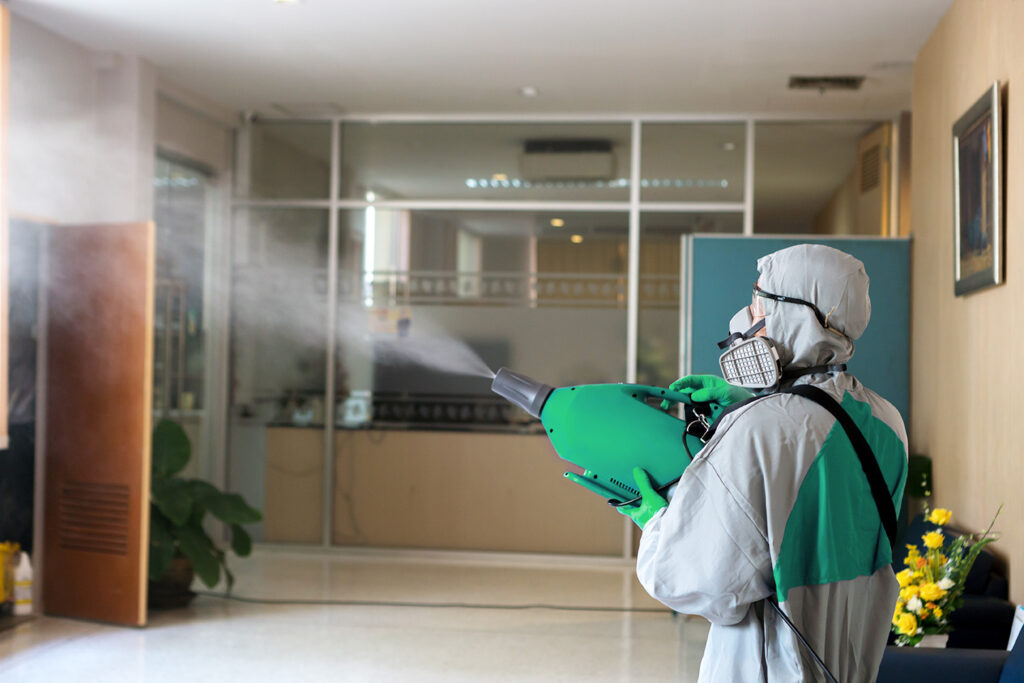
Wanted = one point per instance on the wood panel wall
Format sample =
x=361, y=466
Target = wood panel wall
x=966, y=369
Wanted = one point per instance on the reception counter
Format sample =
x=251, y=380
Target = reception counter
x=422, y=488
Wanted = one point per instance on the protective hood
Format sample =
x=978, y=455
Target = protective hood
x=835, y=283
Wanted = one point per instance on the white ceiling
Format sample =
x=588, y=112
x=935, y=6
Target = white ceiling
x=463, y=56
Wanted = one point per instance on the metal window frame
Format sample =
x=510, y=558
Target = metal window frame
x=634, y=206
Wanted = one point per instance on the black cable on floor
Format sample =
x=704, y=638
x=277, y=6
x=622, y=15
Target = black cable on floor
x=462, y=605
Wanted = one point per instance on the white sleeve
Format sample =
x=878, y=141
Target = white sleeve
x=703, y=554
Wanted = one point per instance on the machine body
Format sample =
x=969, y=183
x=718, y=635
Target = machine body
x=608, y=429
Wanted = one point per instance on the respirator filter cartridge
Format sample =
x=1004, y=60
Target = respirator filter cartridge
x=751, y=363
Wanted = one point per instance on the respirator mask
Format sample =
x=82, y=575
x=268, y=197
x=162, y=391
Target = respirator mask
x=752, y=362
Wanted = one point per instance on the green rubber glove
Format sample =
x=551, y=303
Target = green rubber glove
x=710, y=389
x=650, y=500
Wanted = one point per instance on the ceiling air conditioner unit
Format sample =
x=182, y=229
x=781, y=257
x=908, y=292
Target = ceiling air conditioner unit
x=567, y=159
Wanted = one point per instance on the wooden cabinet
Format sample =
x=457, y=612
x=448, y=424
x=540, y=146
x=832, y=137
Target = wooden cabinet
x=293, y=481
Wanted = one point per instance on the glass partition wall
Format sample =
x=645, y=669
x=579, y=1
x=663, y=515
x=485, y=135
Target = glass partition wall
x=374, y=260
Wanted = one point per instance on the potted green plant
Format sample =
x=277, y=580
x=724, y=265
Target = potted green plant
x=179, y=547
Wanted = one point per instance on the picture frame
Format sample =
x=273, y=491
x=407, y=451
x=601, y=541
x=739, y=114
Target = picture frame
x=978, y=195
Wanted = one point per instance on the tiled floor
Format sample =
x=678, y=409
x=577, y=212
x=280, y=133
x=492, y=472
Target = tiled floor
x=215, y=639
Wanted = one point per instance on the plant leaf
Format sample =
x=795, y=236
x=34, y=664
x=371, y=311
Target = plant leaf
x=202, y=491
x=161, y=543
x=174, y=498
x=241, y=543
x=231, y=508
x=227, y=507
x=199, y=548
x=171, y=449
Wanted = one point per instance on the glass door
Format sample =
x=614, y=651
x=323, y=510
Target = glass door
x=181, y=209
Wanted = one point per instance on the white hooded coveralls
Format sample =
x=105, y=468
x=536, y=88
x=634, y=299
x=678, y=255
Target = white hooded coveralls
x=777, y=504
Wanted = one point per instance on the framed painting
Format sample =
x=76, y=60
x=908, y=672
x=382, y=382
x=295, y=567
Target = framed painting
x=977, y=195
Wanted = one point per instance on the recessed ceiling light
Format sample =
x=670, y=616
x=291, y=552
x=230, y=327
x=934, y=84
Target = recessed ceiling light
x=557, y=222
x=576, y=239
x=286, y=2
x=528, y=91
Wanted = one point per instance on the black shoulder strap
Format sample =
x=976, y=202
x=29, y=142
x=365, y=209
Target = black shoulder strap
x=879, y=490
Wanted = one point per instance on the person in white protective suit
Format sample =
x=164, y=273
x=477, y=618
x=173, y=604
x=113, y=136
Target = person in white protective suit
x=777, y=506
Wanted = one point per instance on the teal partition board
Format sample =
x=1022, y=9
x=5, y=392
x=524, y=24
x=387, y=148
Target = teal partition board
x=724, y=268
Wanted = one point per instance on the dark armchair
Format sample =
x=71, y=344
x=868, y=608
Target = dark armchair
x=931, y=665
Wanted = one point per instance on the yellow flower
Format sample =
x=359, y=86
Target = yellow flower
x=909, y=592
x=933, y=539
x=931, y=591
x=938, y=612
x=896, y=613
x=905, y=577
x=940, y=516
x=907, y=624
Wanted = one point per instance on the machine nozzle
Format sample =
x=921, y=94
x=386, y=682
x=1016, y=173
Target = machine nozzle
x=528, y=394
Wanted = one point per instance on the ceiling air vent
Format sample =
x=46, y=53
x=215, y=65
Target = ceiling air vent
x=823, y=83
x=567, y=159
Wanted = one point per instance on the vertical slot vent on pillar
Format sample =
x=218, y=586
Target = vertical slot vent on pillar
x=870, y=168
x=94, y=517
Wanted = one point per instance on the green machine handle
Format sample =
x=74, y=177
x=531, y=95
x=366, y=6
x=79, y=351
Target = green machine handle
x=586, y=480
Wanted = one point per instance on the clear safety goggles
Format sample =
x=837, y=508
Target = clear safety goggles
x=759, y=295
x=756, y=305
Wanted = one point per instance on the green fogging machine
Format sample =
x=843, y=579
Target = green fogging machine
x=608, y=429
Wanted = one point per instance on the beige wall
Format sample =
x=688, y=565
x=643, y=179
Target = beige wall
x=839, y=215
x=5, y=50
x=186, y=133
x=81, y=130
x=965, y=390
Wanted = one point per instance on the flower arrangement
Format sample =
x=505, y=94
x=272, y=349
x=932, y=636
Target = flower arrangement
x=932, y=585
